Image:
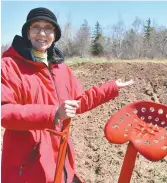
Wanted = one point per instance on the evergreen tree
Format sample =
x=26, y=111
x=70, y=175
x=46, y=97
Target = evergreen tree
x=96, y=46
x=148, y=31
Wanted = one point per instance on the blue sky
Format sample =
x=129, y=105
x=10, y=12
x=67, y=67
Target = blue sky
x=14, y=13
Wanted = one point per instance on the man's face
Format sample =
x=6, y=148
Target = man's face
x=41, y=34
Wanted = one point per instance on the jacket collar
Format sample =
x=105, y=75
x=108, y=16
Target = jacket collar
x=55, y=56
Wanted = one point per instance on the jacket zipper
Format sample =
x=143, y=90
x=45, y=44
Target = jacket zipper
x=54, y=84
x=64, y=169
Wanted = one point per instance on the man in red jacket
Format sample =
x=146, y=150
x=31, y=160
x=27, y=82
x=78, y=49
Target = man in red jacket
x=39, y=91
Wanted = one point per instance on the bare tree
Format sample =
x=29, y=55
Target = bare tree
x=4, y=47
x=132, y=41
x=137, y=25
x=106, y=42
x=83, y=40
x=66, y=43
x=159, y=46
x=118, y=32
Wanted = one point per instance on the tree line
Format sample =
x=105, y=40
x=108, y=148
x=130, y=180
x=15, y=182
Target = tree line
x=142, y=40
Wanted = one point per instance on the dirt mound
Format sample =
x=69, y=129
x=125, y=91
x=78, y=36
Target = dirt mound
x=97, y=160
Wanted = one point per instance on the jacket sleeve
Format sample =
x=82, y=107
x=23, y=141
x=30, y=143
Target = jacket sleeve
x=94, y=96
x=16, y=116
x=97, y=95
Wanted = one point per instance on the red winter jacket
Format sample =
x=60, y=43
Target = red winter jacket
x=30, y=96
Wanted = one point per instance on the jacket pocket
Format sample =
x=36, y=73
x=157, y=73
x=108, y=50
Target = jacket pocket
x=34, y=155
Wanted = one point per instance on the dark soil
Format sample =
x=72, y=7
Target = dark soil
x=97, y=160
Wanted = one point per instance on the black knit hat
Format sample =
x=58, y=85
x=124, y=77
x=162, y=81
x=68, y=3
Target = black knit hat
x=41, y=14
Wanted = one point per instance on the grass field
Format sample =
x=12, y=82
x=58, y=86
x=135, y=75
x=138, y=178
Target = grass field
x=71, y=61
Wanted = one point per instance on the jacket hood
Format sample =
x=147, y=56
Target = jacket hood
x=55, y=56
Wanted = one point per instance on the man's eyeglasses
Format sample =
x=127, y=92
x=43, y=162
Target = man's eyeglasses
x=36, y=29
